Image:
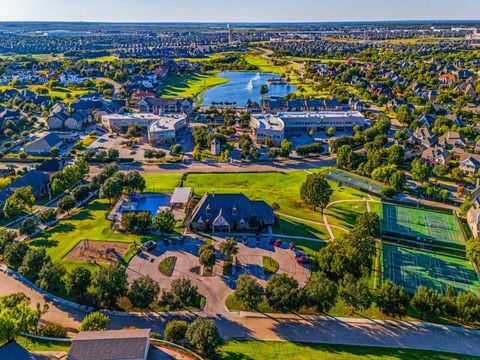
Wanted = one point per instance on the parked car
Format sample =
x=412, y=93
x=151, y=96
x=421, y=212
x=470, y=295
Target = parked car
x=174, y=241
x=271, y=240
x=166, y=242
x=291, y=246
x=277, y=243
x=149, y=245
x=181, y=240
x=303, y=260
x=244, y=240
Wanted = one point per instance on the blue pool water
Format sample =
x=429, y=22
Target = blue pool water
x=152, y=202
x=244, y=86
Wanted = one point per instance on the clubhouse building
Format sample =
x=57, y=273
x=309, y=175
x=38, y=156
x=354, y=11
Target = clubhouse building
x=278, y=126
x=161, y=129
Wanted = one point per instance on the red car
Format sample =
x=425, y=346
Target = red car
x=302, y=260
x=291, y=246
x=277, y=243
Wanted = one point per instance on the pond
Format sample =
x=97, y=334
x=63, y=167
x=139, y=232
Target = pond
x=244, y=86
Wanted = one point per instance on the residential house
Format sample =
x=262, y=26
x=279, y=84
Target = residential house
x=13, y=351
x=138, y=96
x=231, y=212
x=44, y=145
x=436, y=156
x=51, y=166
x=77, y=120
x=57, y=120
x=452, y=139
x=469, y=163
x=111, y=345
x=37, y=180
x=161, y=106
x=423, y=136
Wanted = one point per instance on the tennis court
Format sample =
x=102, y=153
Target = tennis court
x=411, y=268
x=355, y=181
x=428, y=228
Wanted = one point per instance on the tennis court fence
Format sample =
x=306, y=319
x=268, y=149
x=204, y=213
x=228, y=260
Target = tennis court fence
x=355, y=181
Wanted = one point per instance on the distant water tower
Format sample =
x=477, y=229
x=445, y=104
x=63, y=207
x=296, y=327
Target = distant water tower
x=230, y=34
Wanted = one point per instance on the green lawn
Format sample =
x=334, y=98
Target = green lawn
x=269, y=265
x=345, y=214
x=282, y=188
x=191, y=85
x=42, y=345
x=89, y=223
x=162, y=183
x=272, y=350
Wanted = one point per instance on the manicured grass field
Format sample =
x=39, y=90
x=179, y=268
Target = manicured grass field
x=89, y=223
x=272, y=350
x=162, y=183
x=43, y=345
x=412, y=268
x=191, y=85
x=421, y=225
x=270, y=265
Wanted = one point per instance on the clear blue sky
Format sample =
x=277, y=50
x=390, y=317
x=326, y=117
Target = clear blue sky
x=236, y=10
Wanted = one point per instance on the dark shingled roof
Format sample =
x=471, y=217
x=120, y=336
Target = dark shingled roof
x=110, y=345
x=224, y=203
x=13, y=351
x=36, y=179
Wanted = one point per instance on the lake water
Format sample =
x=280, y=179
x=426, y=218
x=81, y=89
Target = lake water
x=244, y=86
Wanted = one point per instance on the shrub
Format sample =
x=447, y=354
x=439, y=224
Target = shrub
x=53, y=330
x=94, y=322
x=175, y=330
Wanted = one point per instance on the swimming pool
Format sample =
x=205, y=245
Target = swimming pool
x=152, y=202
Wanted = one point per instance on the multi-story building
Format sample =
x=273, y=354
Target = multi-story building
x=278, y=126
x=120, y=122
x=165, y=130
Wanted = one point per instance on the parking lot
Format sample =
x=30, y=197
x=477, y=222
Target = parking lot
x=216, y=288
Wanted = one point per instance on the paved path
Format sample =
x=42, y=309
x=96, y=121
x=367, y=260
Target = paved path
x=325, y=218
x=346, y=331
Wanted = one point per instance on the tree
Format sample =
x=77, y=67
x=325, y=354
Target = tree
x=183, y=292
x=48, y=216
x=345, y=158
x=207, y=258
x=321, y=293
x=285, y=148
x=355, y=293
x=330, y=131
x=176, y=149
x=66, y=204
x=249, y=292
x=6, y=238
x=420, y=171
x=16, y=316
x=164, y=222
x=78, y=281
x=368, y=224
x=175, y=330
x=143, y=292
x=113, y=154
x=473, y=250
x=50, y=277
x=18, y=202
x=316, y=191
x=134, y=182
x=429, y=303
x=81, y=192
x=282, y=293
x=111, y=189
x=14, y=254
x=203, y=335
x=467, y=307
x=392, y=300
x=28, y=226
x=109, y=284
x=53, y=330
x=33, y=262
x=263, y=90
x=275, y=207
x=136, y=222
x=95, y=321
x=229, y=247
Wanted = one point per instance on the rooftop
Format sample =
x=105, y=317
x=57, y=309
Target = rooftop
x=166, y=122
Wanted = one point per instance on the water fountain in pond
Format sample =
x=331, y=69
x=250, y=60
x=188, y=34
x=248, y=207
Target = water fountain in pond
x=250, y=85
x=257, y=77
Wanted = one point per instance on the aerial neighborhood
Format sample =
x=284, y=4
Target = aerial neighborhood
x=250, y=191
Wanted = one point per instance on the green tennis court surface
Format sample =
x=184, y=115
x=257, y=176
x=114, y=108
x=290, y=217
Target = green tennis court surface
x=355, y=181
x=413, y=268
x=426, y=227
